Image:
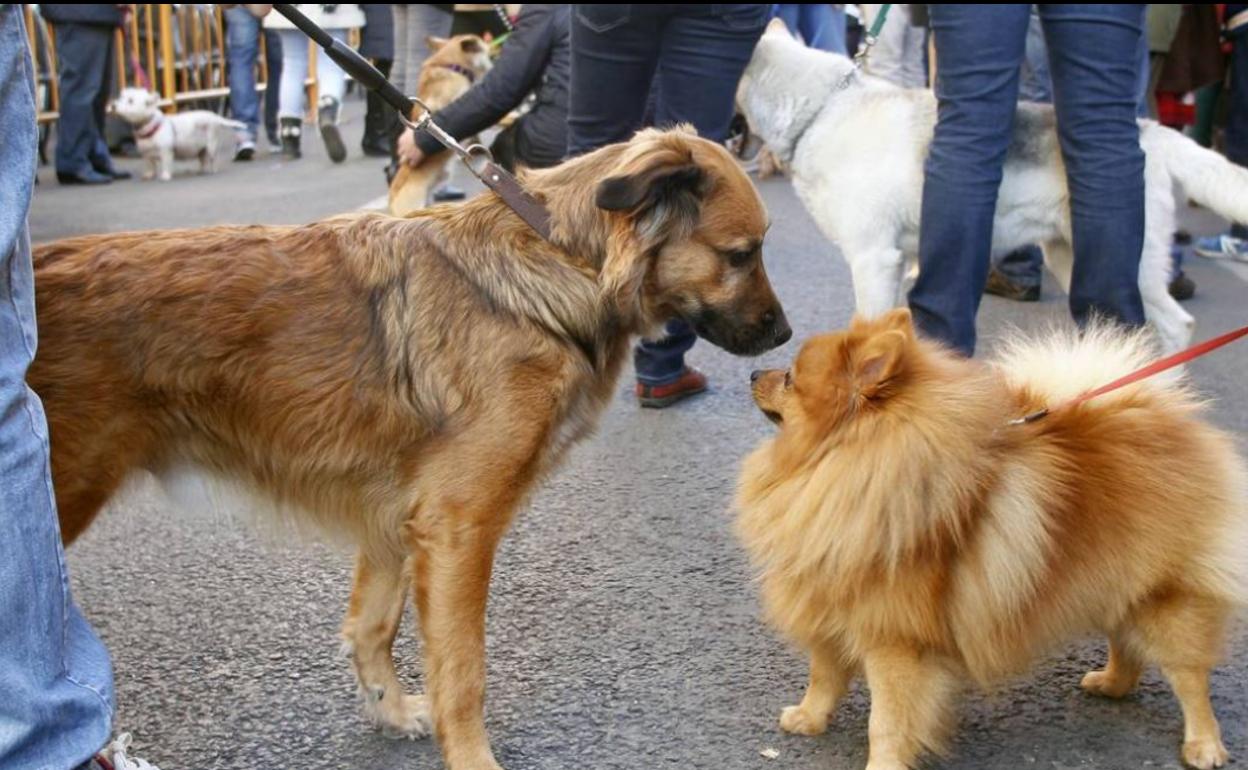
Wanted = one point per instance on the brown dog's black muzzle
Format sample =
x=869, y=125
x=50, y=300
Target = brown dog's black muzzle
x=770, y=330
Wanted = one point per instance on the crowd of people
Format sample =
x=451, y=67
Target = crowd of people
x=584, y=76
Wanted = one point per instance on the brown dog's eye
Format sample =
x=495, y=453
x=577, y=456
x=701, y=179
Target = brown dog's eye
x=740, y=258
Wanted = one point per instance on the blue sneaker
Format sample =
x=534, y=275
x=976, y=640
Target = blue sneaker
x=1222, y=247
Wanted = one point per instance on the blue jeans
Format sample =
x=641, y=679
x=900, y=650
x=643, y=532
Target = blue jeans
x=330, y=79
x=57, y=687
x=242, y=41
x=84, y=66
x=821, y=25
x=1093, y=62
x=694, y=55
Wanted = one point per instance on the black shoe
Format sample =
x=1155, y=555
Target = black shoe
x=246, y=151
x=448, y=193
x=1182, y=287
x=375, y=147
x=327, y=121
x=1000, y=286
x=86, y=177
x=292, y=131
x=114, y=173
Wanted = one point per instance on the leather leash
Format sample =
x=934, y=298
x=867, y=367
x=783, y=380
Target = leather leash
x=1161, y=365
x=476, y=157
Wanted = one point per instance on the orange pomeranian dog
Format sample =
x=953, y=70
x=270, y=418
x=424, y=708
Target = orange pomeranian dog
x=903, y=529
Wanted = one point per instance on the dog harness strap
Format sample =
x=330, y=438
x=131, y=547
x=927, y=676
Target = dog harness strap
x=1156, y=367
x=460, y=70
x=149, y=128
x=527, y=207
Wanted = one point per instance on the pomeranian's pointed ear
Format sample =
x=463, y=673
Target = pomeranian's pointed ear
x=880, y=360
x=898, y=318
x=434, y=42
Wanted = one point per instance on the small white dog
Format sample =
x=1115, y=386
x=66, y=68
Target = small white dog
x=184, y=135
x=856, y=156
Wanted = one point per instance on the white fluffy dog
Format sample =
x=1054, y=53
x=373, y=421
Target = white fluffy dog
x=857, y=154
x=184, y=135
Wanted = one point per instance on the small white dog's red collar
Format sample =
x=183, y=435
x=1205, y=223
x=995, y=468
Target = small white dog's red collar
x=150, y=127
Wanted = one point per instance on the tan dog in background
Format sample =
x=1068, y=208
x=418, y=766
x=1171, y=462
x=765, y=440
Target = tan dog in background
x=905, y=531
x=453, y=67
x=401, y=383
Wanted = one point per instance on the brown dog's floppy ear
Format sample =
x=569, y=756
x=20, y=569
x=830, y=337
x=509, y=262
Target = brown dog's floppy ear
x=655, y=193
x=879, y=360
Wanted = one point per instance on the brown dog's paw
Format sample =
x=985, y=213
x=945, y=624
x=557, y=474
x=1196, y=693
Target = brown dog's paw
x=1103, y=684
x=796, y=720
x=1205, y=753
x=405, y=716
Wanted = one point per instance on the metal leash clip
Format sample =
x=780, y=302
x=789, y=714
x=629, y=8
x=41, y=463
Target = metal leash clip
x=476, y=157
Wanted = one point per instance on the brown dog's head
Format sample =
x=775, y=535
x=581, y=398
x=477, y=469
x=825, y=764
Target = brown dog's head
x=838, y=376
x=686, y=237
x=468, y=51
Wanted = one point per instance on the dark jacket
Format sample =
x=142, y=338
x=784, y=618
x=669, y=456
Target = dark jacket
x=377, y=38
x=102, y=14
x=537, y=56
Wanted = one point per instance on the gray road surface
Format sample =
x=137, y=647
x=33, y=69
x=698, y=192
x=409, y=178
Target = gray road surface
x=624, y=632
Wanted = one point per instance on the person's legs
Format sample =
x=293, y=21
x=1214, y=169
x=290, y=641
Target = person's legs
x=1093, y=57
x=979, y=49
x=273, y=90
x=58, y=688
x=1036, y=84
x=823, y=26
x=701, y=59
x=291, y=103
x=330, y=79
x=82, y=53
x=101, y=161
x=615, y=51
x=242, y=45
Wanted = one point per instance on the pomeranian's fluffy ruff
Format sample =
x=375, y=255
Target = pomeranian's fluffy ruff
x=903, y=530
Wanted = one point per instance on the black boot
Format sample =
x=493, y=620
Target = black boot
x=291, y=130
x=378, y=120
x=327, y=120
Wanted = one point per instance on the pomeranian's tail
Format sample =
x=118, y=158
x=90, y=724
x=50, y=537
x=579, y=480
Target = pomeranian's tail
x=1066, y=362
x=1207, y=177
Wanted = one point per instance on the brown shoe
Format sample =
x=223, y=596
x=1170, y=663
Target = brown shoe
x=1001, y=286
x=689, y=383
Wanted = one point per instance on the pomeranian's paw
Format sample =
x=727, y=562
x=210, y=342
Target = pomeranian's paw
x=1205, y=753
x=405, y=716
x=795, y=719
x=1102, y=683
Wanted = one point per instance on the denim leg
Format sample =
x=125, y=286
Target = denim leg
x=823, y=27
x=615, y=50
x=291, y=103
x=242, y=41
x=1237, y=110
x=273, y=90
x=1093, y=56
x=700, y=63
x=83, y=65
x=56, y=708
x=979, y=49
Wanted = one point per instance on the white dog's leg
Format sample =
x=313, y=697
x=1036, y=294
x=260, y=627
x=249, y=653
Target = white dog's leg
x=166, y=164
x=153, y=163
x=877, y=280
x=1059, y=257
x=1173, y=324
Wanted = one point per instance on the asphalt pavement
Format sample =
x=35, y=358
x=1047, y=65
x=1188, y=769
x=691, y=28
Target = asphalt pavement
x=624, y=632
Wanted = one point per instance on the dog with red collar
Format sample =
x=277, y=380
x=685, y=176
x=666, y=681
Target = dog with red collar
x=162, y=138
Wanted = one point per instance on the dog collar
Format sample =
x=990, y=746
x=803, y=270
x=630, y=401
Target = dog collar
x=148, y=129
x=462, y=70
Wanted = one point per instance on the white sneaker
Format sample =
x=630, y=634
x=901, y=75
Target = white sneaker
x=116, y=757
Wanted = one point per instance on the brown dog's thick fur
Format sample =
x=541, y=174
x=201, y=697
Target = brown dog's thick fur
x=403, y=382
x=442, y=81
x=903, y=530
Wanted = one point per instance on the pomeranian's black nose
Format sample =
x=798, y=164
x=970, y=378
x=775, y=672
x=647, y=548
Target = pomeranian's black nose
x=754, y=375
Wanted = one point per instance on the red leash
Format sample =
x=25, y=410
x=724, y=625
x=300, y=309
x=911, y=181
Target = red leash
x=1169, y=362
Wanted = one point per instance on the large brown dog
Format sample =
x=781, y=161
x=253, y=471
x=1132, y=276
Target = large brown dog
x=453, y=67
x=904, y=530
x=405, y=382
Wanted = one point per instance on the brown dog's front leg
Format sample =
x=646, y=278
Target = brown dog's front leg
x=452, y=580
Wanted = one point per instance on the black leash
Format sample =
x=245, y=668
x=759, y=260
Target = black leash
x=476, y=157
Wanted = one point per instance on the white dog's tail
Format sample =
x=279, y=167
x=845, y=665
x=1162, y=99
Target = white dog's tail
x=1207, y=177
